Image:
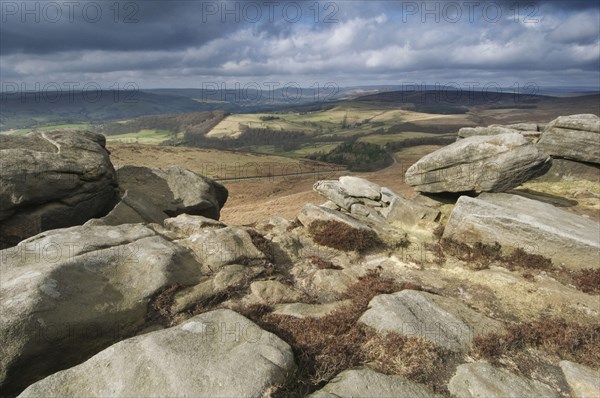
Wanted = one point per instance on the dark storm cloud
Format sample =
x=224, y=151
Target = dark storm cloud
x=50, y=26
x=181, y=43
x=46, y=27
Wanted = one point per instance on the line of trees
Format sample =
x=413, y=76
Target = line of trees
x=357, y=156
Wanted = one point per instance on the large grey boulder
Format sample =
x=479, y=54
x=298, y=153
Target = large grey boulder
x=215, y=248
x=175, y=190
x=334, y=191
x=480, y=163
x=368, y=383
x=482, y=380
x=184, y=225
x=133, y=208
x=360, y=188
x=442, y=320
x=68, y=293
x=52, y=180
x=229, y=277
x=368, y=212
x=368, y=201
x=273, y=292
x=583, y=381
x=571, y=170
x=408, y=212
x=574, y=137
x=216, y=354
x=518, y=222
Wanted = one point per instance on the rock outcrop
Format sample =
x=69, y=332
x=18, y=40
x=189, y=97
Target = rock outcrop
x=518, y=222
x=360, y=197
x=227, y=278
x=368, y=383
x=360, y=188
x=273, y=292
x=216, y=354
x=175, y=191
x=311, y=213
x=575, y=137
x=132, y=209
x=444, y=321
x=215, y=248
x=111, y=307
x=303, y=310
x=408, y=212
x=67, y=293
x=52, y=180
x=483, y=380
x=570, y=170
x=480, y=163
x=583, y=381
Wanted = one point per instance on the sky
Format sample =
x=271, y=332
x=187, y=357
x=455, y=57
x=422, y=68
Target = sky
x=194, y=44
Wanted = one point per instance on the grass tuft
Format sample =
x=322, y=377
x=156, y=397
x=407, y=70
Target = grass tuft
x=587, y=280
x=341, y=236
x=322, y=263
x=261, y=243
x=160, y=307
x=480, y=255
x=568, y=340
x=326, y=346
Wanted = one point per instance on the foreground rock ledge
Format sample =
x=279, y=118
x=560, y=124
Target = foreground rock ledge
x=368, y=383
x=536, y=227
x=216, y=354
x=481, y=379
x=68, y=293
x=583, y=381
x=442, y=320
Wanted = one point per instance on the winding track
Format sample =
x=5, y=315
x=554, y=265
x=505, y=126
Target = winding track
x=50, y=140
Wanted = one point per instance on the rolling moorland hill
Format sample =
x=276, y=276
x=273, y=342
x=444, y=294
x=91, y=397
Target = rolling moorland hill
x=374, y=125
x=38, y=109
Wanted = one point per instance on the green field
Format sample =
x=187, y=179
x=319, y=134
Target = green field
x=77, y=126
x=146, y=137
x=378, y=124
x=345, y=120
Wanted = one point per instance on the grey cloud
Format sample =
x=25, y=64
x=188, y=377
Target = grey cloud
x=131, y=25
x=171, y=46
x=577, y=29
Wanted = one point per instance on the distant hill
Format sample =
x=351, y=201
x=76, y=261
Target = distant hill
x=34, y=109
x=38, y=109
x=456, y=102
